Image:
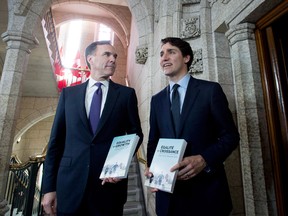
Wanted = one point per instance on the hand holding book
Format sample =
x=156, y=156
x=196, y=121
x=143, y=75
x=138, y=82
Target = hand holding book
x=189, y=167
x=119, y=158
x=110, y=180
x=168, y=153
x=149, y=176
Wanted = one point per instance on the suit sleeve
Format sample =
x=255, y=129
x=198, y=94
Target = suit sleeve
x=55, y=148
x=226, y=131
x=134, y=125
x=153, y=133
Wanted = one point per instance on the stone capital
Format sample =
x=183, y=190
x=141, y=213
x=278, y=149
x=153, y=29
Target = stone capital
x=240, y=32
x=19, y=40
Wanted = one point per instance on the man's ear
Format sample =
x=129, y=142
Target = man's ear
x=187, y=58
x=89, y=58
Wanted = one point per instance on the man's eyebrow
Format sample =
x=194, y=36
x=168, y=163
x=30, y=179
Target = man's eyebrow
x=110, y=53
x=107, y=53
x=171, y=49
x=168, y=50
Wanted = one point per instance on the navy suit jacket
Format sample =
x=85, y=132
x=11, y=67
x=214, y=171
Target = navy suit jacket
x=207, y=125
x=73, y=146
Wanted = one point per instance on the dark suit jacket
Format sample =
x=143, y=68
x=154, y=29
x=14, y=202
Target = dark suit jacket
x=73, y=149
x=207, y=125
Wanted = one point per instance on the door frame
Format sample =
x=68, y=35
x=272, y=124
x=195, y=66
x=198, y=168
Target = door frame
x=269, y=65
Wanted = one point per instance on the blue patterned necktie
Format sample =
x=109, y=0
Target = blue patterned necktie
x=175, y=107
x=95, y=108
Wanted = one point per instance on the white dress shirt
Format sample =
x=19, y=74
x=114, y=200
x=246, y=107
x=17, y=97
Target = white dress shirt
x=91, y=88
x=183, y=84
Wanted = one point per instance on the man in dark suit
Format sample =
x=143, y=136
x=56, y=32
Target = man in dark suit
x=206, y=123
x=76, y=153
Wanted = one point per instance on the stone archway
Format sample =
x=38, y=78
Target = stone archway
x=23, y=16
x=143, y=14
x=34, y=139
x=115, y=19
x=34, y=114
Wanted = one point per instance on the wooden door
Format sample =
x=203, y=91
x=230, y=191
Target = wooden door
x=272, y=43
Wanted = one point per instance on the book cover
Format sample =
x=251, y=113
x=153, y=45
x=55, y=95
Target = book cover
x=119, y=156
x=168, y=153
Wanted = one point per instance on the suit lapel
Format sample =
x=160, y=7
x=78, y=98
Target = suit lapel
x=189, y=100
x=111, y=99
x=80, y=96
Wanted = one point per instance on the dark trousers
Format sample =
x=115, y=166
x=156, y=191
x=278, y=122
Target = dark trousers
x=90, y=207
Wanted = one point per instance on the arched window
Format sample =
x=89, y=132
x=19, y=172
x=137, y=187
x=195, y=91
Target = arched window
x=73, y=38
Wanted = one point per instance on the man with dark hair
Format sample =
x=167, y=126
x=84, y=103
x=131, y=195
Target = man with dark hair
x=197, y=111
x=80, y=141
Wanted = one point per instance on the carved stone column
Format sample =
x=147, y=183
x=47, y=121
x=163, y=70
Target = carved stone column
x=18, y=50
x=250, y=116
x=23, y=17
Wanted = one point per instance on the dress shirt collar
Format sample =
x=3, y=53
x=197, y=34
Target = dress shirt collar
x=92, y=82
x=183, y=82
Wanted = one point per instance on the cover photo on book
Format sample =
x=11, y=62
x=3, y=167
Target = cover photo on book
x=168, y=153
x=119, y=156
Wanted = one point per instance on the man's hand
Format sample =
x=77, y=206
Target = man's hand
x=110, y=180
x=189, y=167
x=149, y=175
x=49, y=202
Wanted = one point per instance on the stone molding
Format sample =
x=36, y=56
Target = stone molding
x=240, y=32
x=214, y=1
x=156, y=11
x=190, y=1
x=190, y=27
x=141, y=54
x=12, y=38
x=20, y=7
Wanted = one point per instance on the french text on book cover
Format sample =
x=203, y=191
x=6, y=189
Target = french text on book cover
x=119, y=156
x=168, y=153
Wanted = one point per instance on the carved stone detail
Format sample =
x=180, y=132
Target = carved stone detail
x=190, y=28
x=141, y=55
x=212, y=2
x=197, y=64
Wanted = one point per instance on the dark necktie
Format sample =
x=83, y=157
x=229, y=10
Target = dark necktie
x=175, y=107
x=95, y=107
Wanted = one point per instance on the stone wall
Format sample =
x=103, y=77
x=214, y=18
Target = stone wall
x=226, y=53
x=221, y=32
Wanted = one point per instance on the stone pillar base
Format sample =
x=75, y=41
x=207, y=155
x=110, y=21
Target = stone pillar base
x=3, y=207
